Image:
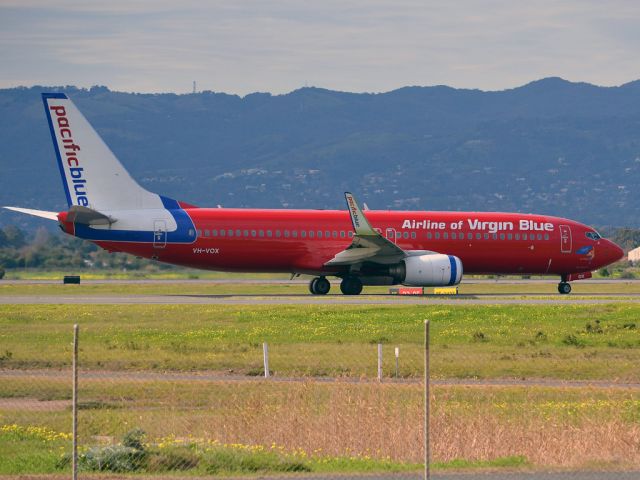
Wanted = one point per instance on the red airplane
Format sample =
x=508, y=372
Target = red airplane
x=109, y=208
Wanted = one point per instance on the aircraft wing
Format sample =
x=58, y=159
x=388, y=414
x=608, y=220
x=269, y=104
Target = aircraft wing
x=368, y=244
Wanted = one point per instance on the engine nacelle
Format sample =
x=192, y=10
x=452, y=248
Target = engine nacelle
x=435, y=270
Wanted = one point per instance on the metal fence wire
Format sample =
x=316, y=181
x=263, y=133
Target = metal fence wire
x=361, y=409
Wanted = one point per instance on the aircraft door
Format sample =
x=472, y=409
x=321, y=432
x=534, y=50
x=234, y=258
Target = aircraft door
x=159, y=234
x=391, y=234
x=565, y=239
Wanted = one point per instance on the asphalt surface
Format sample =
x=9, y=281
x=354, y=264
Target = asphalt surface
x=307, y=299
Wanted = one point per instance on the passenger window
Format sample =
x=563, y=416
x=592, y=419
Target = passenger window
x=469, y=236
x=319, y=233
x=327, y=234
x=350, y=234
x=486, y=236
x=546, y=236
x=405, y=235
x=294, y=234
x=437, y=235
x=261, y=233
x=191, y=232
x=413, y=235
x=303, y=234
x=509, y=236
x=454, y=235
x=238, y=233
x=445, y=235
x=230, y=232
x=278, y=234
x=524, y=236
x=206, y=233
x=223, y=232
x=539, y=236
x=286, y=234
x=253, y=233
x=517, y=236
x=429, y=236
x=478, y=236
x=335, y=234
x=199, y=232
x=494, y=236
x=342, y=234
x=311, y=233
x=502, y=236
x=214, y=233
x=269, y=233
x=246, y=233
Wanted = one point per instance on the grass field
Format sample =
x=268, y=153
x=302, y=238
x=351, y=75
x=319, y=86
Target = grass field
x=351, y=426
x=555, y=341
x=251, y=426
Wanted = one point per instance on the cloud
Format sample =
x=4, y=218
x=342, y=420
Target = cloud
x=361, y=45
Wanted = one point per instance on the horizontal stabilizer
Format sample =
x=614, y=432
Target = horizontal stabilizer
x=35, y=213
x=88, y=216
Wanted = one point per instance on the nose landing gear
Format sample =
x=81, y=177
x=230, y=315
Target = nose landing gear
x=319, y=286
x=564, y=287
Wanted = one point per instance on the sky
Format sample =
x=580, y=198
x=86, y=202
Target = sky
x=244, y=46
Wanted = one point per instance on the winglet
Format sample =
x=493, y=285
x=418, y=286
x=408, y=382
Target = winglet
x=360, y=223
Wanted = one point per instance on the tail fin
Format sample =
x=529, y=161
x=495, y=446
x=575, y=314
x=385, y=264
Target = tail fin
x=91, y=174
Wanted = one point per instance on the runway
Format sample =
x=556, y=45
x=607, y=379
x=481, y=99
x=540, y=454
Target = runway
x=307, y=299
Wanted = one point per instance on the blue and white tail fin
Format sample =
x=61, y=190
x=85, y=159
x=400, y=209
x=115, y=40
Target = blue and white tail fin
x=91, y=174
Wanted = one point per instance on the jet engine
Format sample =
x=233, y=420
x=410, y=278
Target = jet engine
x=428, y=270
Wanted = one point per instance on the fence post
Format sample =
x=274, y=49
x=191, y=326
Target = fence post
x=379, y=362
x=397, y=361
x=74, y=403
x=427, y=449
x=265, y=355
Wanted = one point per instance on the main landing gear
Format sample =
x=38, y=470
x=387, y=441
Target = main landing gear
x=564, y=287
x=348, y=286
x=319, y=286
x=351, y=286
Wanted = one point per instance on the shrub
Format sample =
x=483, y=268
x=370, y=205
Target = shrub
x=572, y=340
x=240, y=461
x=1, y=273
x=179, y=458
x=480, y=337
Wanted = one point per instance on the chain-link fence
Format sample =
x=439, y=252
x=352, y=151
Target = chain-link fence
x=323, y=408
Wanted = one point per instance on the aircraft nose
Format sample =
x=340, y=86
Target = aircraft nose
x=613, y=252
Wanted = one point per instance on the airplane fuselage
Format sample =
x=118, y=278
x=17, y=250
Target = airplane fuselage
x=303, y=241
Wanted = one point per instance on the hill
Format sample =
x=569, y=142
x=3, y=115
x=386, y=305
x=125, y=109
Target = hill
x=551, y=146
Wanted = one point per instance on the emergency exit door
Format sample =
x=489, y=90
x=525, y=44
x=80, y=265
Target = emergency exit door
x=565, y=239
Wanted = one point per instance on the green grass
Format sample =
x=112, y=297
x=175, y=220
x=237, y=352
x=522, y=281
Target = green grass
x=553, y=341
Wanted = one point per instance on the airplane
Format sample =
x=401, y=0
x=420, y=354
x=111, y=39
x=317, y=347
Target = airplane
x=416, y=248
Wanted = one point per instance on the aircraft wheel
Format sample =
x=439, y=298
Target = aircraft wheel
x=319, y=286
x=564, y=288
x=351, y=286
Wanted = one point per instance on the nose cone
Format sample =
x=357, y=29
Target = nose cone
x=612, y=252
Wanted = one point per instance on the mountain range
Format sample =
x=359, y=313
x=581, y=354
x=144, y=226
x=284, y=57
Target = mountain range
x=551, y=146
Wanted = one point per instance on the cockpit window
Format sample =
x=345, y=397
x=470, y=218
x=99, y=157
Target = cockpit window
x=593, y=235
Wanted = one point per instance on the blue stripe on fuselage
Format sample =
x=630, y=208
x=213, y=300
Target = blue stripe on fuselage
x=454, y=270
x=179, y=235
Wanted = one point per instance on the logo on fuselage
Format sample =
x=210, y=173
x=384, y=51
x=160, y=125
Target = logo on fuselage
x=69, y=155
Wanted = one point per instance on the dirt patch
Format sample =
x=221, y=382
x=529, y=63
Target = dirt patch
x=33, y=404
